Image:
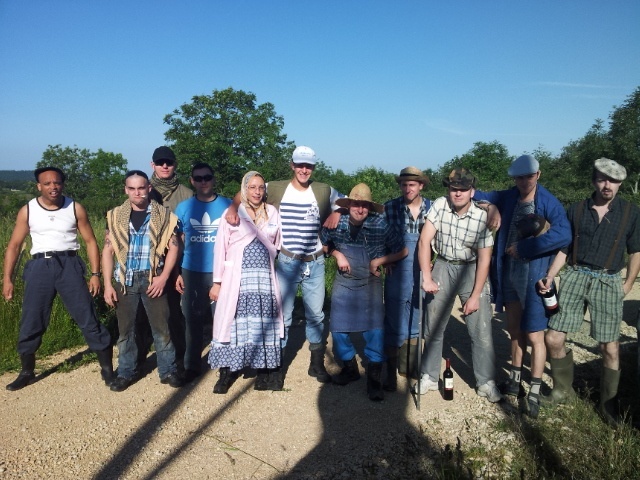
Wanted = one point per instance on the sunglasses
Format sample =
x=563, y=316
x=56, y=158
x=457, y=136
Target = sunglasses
x=202, y=178
x=164, y=161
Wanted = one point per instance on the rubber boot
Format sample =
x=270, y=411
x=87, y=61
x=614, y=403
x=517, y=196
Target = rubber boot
x=316, y=365
x=608, y=408
x=391, y=381
x=562, y=374
x=26, y=376
x=349, y=373
x=105, y=358
x=374, y=381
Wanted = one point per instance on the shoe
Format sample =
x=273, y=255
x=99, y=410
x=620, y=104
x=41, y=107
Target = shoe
x=512, y=389
x=173, y=379
x=190, y=375
x=391, y=381
x=349, y=372
x=262, y=380
x=374, y=381
x=227, y=377
x=105, y=359
x=533, y=401
x=316, y=365
x=120, y=384
x=26, y=375
x=276, y=379
x=426, y=385
x=489, y=391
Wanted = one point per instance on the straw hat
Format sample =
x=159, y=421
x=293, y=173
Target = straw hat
x=360, y=193
x=412, y=174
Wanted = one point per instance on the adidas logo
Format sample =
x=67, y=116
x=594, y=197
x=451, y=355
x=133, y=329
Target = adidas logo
x=205, y=225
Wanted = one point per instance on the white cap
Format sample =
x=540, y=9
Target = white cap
x=304, y=154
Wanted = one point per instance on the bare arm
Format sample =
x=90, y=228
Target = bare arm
x=93, y=252
x=424, y=257
x=387, y=259
x=554, y=269
x=633, y=268
x=20, y=232
x=156, y=288
x=232, y=212
x=179, y=279
x=482, y=273
x=110, y=295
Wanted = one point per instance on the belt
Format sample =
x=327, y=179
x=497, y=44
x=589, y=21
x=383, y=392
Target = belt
x=302, y=258
x=67, y=253
x=596, y=272
x=457, y=262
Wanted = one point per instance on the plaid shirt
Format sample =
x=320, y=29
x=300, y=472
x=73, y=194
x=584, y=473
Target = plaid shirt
x=459, y=238
x=399, y=216
x=597, y=237
x=376, y=235
x=138, y=254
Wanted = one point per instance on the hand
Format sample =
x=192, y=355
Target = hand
x=545, y=284
x=626, y=288
x=180, y=285
x=430, y=286
x=471, y=305
x=512, y=250
x=232, y=215
x=374, y=267
x=343, y=263
x=156, y=288
x=332, y=220
x=94, y=285
x=110, y=296
x=214, y=292
x=7, y=290
x=494, y=219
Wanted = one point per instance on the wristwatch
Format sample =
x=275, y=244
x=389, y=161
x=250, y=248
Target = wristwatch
x=96, y=274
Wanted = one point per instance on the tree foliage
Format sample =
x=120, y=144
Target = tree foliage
x=624, y=135
x=233, y=133
x=93, y=178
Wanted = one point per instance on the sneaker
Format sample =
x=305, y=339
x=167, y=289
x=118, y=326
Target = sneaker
x=512, y=389
x=533, y=402
x=489, y=391
x=426, y=385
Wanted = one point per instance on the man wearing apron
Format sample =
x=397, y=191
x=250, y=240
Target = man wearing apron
x=407, y=213
x=360, y=244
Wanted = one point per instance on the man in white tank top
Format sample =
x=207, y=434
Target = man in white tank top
x=54, y=221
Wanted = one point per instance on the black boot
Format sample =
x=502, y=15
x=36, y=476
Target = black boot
x=227, y=377
x=391, y=382
x=374, y=381
x=262, y=379
x=276, y=379
x=349, y=372
x=105, y=358
x=26, y=376
x=316, y=366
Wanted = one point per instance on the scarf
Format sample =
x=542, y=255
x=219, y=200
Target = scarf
x=162, y=224
x=165, y=186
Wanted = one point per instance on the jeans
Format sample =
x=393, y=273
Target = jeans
x=158, y=312
x=196, y=308
x=292, y=273
x=458, y=280
x=373, y=350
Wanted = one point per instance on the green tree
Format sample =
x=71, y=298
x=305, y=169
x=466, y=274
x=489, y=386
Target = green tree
x=233, y=133
x=93, y=178
x=624, y=134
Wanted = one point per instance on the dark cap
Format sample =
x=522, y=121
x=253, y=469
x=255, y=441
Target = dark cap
x=163, y=153
x=460, y=178
x=532, y=225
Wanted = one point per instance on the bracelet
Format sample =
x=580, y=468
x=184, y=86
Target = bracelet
x=96, y=274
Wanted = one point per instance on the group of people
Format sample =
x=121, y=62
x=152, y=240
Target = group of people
x=192, y=260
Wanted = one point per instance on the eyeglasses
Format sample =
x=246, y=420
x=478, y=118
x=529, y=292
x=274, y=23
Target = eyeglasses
x=253, y=188
x=164, y=161
x=202, y=178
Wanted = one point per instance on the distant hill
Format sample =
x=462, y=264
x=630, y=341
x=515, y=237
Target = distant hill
x=16, y=179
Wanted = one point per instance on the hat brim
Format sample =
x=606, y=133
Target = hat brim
x=373, y=206
x=412, y=178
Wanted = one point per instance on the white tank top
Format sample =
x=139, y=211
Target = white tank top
x=52, y=230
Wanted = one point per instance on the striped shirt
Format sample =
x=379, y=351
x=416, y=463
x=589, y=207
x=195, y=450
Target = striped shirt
x=300, y=217
x=459, y=238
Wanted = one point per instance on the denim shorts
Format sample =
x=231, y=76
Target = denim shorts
x=515, y=280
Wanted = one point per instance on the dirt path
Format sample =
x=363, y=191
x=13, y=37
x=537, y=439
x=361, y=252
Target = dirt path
x=69, y=425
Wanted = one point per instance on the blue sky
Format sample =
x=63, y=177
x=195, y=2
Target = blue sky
x=364, y=83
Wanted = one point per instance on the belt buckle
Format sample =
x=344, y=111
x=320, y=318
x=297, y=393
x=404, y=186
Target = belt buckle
x=47, y=255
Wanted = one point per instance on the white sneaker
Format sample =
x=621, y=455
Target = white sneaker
x=426, y=384
x=490, y=391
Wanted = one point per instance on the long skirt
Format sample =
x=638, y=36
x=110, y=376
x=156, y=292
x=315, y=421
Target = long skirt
x=255, y=338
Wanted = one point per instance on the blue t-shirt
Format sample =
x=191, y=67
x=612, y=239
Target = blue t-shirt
x=200, y=225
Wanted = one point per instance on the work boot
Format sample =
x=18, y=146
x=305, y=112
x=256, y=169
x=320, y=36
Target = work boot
x=227, y=377
x=374, y=381
x=608, y=407
x=316, y=366
x=562, y=374
x=276, y=379
x=391, y=382
x=105, y=359
x=26, y=375
x=349, y=372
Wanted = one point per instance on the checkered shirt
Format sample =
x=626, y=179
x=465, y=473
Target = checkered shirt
x=399, y=216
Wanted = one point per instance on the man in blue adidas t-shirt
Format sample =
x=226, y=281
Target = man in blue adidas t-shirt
x=199, y=216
